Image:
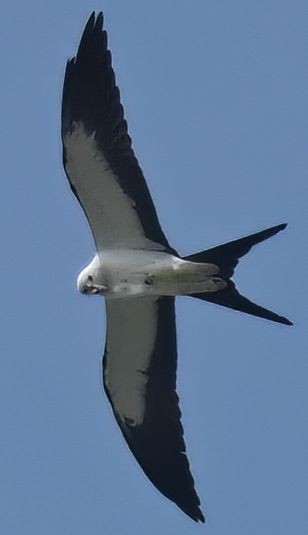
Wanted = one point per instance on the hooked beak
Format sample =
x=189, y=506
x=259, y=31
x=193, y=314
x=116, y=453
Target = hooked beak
x=99, y=289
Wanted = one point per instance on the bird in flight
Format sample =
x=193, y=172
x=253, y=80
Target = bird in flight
x=137, y=271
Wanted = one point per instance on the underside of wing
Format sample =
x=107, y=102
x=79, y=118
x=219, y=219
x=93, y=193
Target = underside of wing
x=139, y=372
x=97, y=153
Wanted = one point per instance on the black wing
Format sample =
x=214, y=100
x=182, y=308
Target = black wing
x=139, y=371
x=97, y=153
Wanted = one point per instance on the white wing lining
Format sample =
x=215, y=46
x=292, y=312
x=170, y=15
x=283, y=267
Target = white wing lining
x=111, y=214
x=131, y=335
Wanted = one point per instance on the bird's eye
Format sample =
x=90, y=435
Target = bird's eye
x=89, y=282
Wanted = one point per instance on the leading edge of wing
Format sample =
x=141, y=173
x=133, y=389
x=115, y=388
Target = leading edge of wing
x=92, y=98
x=154, y=433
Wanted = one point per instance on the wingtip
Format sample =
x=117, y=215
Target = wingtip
x=272, y=316
x=201, y=517
x=287, y=322
x=194, y=513
x=100, y=20
x=93, y=39
x=277, y=228
x=91, y=20
x=95, y=20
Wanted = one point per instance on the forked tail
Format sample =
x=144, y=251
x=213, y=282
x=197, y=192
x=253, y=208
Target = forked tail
x=227, y=256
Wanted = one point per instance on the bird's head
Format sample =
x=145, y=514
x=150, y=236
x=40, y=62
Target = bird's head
x=85, y=283
x=88, y=280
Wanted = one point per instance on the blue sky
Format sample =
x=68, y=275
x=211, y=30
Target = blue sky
x=215, y=94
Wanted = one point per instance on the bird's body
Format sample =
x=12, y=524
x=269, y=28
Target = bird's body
x=137, y=271
x=121, y=273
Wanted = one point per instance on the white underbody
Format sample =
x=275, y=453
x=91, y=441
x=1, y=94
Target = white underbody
x=130, y=270
x=120, y=273
x=132, y=281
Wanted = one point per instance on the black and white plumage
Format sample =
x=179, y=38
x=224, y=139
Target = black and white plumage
x=137, y=270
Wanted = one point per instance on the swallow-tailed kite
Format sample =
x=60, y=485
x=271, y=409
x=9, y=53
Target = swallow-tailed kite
x=137, y=271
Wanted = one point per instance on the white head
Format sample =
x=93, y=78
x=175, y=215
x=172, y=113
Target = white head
x=88, y=281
